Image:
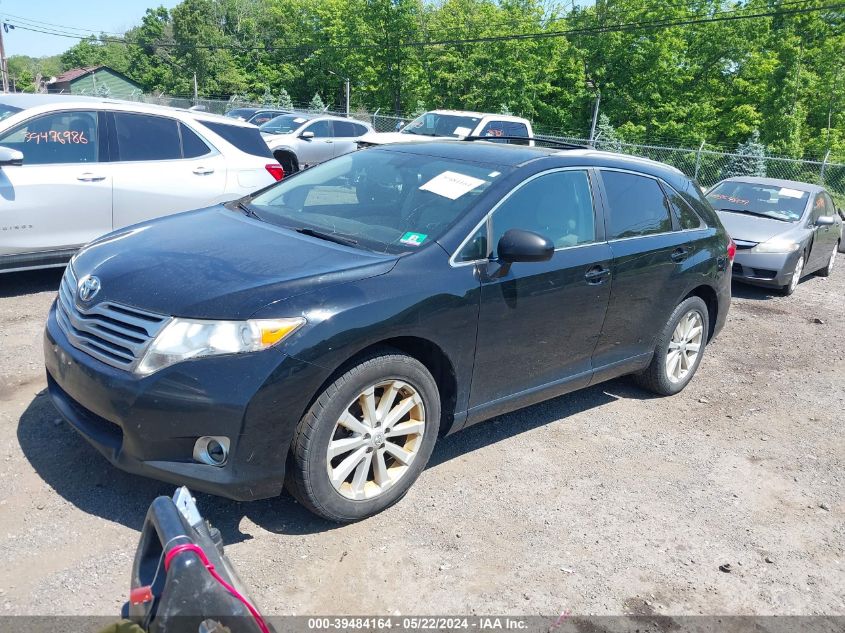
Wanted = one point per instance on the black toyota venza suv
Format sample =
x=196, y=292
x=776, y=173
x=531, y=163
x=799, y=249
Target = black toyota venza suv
x=327, y=330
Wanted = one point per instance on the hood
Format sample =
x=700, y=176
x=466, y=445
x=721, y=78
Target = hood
x=276, y=139
x=217, y=264
x=749, y=228
x=384, y=138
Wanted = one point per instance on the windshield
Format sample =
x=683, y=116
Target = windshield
x=7, y=110
x=386, y=201
x=433, y=124
x=241, y=113
x=771, y=201
x=284, y=124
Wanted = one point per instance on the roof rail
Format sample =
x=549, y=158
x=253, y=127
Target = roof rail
x=561, y=144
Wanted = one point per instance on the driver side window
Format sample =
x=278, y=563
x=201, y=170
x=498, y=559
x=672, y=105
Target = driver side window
x=557, y=205
x=56, y=138
x=321, y=129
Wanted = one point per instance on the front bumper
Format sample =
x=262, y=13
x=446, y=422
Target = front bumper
x=148, y=426
x=772, y=270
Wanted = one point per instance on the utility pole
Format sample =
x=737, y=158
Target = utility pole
x=3, y=68
x=347, y=97
x=196, y=97
x=594, y=86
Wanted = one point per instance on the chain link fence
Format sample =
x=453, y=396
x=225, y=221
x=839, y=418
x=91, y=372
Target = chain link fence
x=706, y=165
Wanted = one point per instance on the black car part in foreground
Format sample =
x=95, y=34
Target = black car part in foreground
x=325, y=331
x=181, y=580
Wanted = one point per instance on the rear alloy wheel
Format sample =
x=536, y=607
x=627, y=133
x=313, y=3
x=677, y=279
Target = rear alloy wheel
x=825, y=272
x=679, y=349
x=789, y=288
x=366, y=438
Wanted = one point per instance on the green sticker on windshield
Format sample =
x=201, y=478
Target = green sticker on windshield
x=413, y=239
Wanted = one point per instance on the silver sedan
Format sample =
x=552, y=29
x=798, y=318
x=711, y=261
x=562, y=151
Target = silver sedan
x=783, y=229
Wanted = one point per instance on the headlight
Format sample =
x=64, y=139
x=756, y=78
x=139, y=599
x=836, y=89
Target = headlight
x=182, y=339
x=777, y=245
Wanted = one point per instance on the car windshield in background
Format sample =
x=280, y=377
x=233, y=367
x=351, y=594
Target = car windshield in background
x=7, y=110
x=770, y=201
x=241, y=113
x=386, y=201
x=284, y=124
x=433, y=124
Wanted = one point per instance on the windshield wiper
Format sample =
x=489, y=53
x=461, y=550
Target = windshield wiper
x=759, y=215
x=248, y=210
x=330, y=237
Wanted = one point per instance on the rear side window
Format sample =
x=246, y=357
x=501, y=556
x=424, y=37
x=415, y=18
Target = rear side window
x=637, y=205
x=360, y=130
x=686, y=217
x=246, y=139
x=192, y=145
x=347, y=129
x=56, y=138
x=505, y=128
x=141, y=137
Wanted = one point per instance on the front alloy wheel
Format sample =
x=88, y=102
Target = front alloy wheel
x=376, y=440
x=366, y=438
x=789, y=288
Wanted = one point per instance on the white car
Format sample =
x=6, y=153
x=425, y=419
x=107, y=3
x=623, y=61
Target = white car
x=74, y=168
x=299, y=140
x=438, y=125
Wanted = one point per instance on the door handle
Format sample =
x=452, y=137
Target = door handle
x=89, y=177
x=680, y=254
x=596, y=275
x=203, y=171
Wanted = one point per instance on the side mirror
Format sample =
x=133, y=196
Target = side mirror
x=517, y=245
x=10, y=157
x=307, y=135
x=825, y=220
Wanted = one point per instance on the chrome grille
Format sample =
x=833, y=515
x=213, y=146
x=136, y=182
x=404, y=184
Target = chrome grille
x=113, y=333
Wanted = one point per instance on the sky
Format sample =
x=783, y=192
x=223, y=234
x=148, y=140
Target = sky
x=80, y=15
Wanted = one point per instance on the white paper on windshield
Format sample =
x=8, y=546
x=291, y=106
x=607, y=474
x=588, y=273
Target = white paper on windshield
x=462, y=131
x=451, y=184
x=791, y=193
x=299, y=120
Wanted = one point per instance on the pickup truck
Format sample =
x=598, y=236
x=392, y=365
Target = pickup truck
x=444, y=124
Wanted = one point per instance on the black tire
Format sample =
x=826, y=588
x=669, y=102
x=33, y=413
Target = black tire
x=655, y=377
x=825, y=272
x=288, y=162
x=307, y=477
x=789, y=288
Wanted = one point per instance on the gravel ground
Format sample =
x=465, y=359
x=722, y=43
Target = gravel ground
x=606, y=501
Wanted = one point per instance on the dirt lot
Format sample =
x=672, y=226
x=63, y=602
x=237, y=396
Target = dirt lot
x=606, y=501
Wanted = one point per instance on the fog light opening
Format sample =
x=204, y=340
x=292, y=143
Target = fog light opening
x=212, y=450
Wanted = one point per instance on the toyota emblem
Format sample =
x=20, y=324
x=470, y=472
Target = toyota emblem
x=88, y=288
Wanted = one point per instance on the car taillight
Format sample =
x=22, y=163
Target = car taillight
x=275, y=170
x=731, y=250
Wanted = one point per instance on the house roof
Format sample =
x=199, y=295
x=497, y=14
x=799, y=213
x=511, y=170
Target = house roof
x=76, y=73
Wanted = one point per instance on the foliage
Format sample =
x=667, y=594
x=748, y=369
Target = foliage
x=716, y=81
x=316, y=104
x=606, y=135
x=284, y=101
x=749, y=159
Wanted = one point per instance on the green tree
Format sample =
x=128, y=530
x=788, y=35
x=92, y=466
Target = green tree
x=749, y=159
x=606, y=136
x=316, y=104
x=284, y=101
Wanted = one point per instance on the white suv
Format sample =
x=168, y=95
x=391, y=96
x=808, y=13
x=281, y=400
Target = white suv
x=74, y=168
